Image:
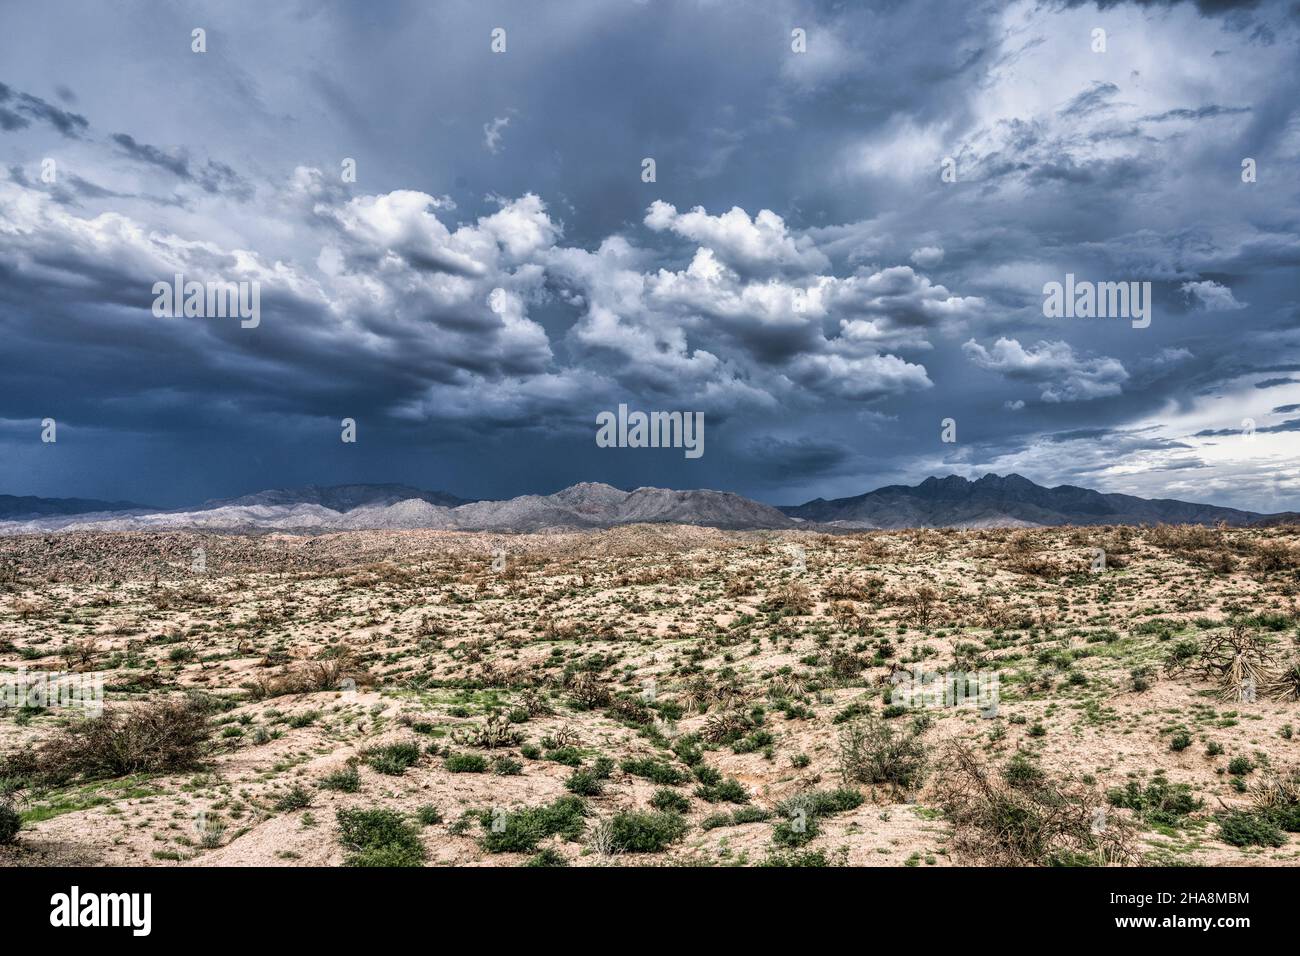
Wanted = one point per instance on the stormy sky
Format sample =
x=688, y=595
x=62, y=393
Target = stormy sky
x=799, y=270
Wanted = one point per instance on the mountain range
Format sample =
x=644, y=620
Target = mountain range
x=989, y=502
x=994, y=501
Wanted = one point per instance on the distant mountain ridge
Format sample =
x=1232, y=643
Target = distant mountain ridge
x=994, y=501
x=338, y=497
x=359, y=507
x=989, y=502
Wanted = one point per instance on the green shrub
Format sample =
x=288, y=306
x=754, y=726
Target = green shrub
x=346, y=780
x=569, y=756
x=637, y=832
x=802, y=812
x=507, y=767
x=11, y=822
x=519, y=831
x=465, y=763
x=548, y=857
x=1181, y=740
x=872, y=751
x=656, y=771
x=1161, y=802
x=296, y=798
x=428, y=815
x=756, y=741
x=794, y=858
x=715, y=820
x=666, y=798
x=394, y=759
x=1239, y=828
x=730, y=790
x=585, y=783
x=1021, y=771
x=1240, y=766
x=796, y=831
x=378, y=838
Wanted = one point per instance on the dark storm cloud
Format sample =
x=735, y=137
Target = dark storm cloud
x=1205, y=7
x=1291, y=425
x=1201, y=112
x=213, y=176
x=798, y=271
x=176, y=164
x=1097, y=97
x=18, y=110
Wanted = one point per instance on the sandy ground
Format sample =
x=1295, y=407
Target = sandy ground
x=431, y=634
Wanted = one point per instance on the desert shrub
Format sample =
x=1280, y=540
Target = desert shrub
x=919, y=605
x=465, y=763
x=335, y=669
x=569, y=756
x=519, y=831
x=740, y=587
x=428, y=815
x=796, y=858
x=11, y=821
x=790, y=599
x=588, y=692
x=795, y=831
x=631, y=709
x=547, y=857
x=507, y=767
x=296, y=798
x=302, y=719
x=1277, y=797
x=346, y=780
x=748, y=815
x=393, y=759
x=735, y=818
x=803, y=812
x=1241, y=828
x=872, y=751
x=729, y=790
x=1021, y=771
x=1273, y=556
x=825, y=802
x=656, y=771
x=585, y=783
x=1160, y=802
x=1240, y=766
x=1180, y=655
x=1044, y=824
x=378, y=838
x=1181, y=740
x=159, y=738
x=726, y=726
x=637, y=832
x=666, y=798
x=758, y=740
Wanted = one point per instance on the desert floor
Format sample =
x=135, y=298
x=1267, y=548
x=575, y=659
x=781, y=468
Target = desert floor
x=656, y=695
